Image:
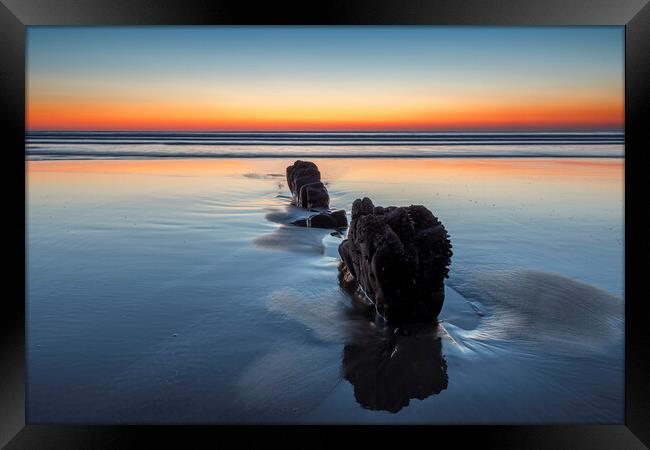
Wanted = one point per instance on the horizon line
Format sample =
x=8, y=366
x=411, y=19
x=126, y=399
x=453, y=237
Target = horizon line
x=605, y=130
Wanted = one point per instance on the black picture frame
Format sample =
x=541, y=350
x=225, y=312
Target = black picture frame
x=16, y=15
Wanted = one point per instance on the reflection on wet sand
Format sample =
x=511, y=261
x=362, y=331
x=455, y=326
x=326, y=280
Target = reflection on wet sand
x=387, y=366
x=263, y=335
x=390, y=366
x=294, y=239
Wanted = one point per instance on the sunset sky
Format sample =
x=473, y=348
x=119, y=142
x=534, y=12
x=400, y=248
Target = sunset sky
x=325, y=78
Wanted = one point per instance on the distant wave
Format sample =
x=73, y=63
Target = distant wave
x=55, y=153
x=173, y=138
x=91, y=145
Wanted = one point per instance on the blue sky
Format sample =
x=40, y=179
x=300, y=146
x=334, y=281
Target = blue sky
x=420, y=72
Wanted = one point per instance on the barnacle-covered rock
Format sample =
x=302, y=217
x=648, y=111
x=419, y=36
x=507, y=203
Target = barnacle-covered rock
x=396, y=258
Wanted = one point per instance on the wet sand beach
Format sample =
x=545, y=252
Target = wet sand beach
x=174, y=291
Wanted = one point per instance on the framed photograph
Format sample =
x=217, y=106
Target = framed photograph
x=370, y=217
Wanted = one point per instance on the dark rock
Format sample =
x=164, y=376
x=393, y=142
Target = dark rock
x=306, y=187
x=340, y=219
x=313, y=195
x=346, y=279
x=309, y=192
x=321, y=220
x=397, y=258
x=334, y=219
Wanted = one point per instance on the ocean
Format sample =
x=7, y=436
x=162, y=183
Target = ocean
x=87, y=145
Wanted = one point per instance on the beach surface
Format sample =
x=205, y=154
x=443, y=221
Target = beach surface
x=173, y=291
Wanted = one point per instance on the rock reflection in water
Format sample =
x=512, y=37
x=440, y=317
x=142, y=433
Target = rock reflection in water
x=390, y=366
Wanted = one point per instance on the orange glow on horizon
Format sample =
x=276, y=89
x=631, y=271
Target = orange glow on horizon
x=467, y=115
